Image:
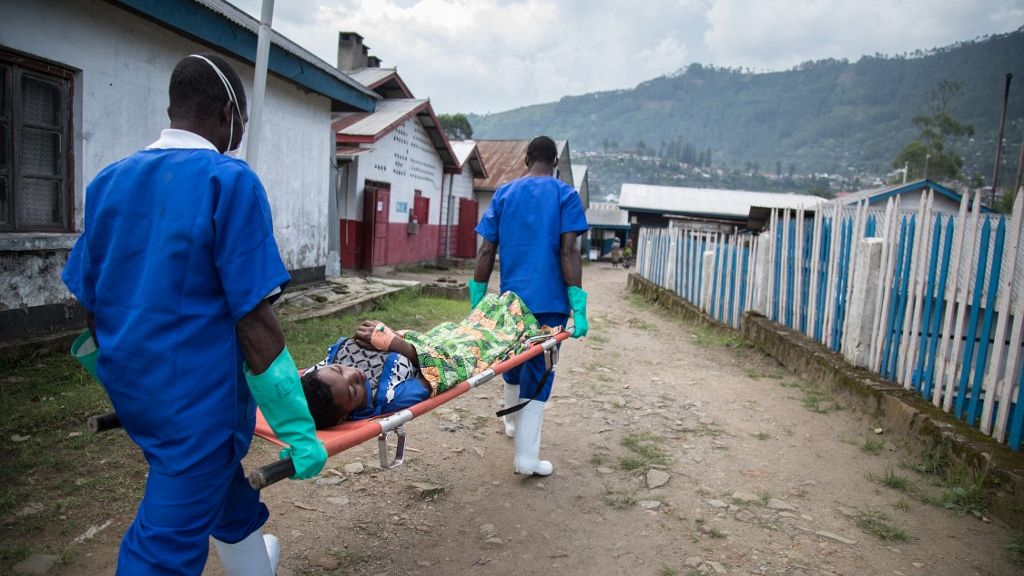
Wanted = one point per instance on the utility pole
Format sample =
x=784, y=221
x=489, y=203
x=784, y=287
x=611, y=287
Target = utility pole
x=999, y=143
x=259, y=85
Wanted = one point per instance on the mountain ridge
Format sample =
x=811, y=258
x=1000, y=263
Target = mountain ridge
x=827, y=115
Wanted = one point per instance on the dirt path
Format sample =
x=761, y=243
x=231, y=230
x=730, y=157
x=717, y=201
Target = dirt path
x=754, y=481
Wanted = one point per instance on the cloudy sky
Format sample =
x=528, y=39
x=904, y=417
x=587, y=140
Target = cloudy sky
x=492, y=55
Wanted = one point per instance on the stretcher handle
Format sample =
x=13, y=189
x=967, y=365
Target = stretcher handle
x=104, y=422
x=271, y=473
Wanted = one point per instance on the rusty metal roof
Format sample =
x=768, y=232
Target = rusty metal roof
x=505, y=161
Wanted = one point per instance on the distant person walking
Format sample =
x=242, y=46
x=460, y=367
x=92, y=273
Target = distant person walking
x=532, y=224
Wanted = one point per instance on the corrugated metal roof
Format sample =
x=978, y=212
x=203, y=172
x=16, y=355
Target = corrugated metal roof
x=579, y=173
x=876, y=196
x=211, y=31
x=384, y=81
x=370, y=76
x=607, y=215
x=707, y=201
x=388, y=115
x=505, y=161
x=365, y=128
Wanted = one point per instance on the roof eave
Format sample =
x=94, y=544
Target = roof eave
x=217, y=31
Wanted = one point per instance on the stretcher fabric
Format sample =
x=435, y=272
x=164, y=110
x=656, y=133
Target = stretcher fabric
x=498, y=327
x=354, y=432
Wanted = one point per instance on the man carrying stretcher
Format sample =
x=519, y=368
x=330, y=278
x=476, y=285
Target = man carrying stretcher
x=378, y=371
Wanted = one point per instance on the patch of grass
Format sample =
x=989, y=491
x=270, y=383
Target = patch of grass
x=763, y=436
x=308, y=339
x=709, y=337
x=894, y=480
x=598, y=459
x=935, y=462
x=639, y=324
x=619, y=499
x=902, y=505
x=645, y=452
x=47, y=397
x=872, y=446
x=12, y=553
x=876, y=524
x=348, y=561
x=757, y=373
x=963, y=491
x=668, y=571
x=1016, y=548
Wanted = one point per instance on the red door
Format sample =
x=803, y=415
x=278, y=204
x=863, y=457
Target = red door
x=466, y=247
x=376, y=208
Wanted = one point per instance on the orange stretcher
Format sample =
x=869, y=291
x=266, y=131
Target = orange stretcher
x=339, y=438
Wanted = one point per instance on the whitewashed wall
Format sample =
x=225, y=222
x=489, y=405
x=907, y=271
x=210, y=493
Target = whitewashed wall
x=121, y=105
x=406, y=160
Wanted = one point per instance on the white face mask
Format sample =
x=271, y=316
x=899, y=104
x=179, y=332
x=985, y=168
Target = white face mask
x=233, y=152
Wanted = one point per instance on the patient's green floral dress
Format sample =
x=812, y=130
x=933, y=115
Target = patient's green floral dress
x=498, y=328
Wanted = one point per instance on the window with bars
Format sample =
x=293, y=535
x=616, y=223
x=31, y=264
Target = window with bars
x=36, y=191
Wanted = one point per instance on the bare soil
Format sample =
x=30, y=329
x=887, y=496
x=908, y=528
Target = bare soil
x=766, y=475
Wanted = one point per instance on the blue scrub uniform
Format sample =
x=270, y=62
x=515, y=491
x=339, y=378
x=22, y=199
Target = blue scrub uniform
x=178, y=246
x=526, y=220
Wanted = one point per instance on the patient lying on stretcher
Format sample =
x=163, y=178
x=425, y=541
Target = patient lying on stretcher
x=378, y=371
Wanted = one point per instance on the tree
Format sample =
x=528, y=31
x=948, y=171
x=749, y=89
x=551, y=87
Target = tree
x=927, y=156
x=456, y=126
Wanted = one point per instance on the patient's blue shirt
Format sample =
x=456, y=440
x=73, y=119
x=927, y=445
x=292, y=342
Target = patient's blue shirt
x=392, y=381
x=178, y=246
x=526, y=220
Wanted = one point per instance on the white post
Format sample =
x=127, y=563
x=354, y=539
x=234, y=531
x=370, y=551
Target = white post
x=762, y=273
x=706, y=279
x=670, y=265
x=259, y=86
x=861, y=311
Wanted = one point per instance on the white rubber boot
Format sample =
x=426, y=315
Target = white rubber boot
x=511, y=399
x=527, y=441
x=256, y=555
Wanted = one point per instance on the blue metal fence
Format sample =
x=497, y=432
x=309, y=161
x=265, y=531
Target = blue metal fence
x=937, y=307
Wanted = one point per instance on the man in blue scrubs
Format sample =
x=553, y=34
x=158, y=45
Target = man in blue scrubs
x=532, y=224
x=177, y=267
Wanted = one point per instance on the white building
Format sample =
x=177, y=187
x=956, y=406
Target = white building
x=392, y=164
x=91, y=79
x=459, y=237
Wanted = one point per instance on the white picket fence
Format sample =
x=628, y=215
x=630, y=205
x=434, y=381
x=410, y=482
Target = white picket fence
x=929, y=300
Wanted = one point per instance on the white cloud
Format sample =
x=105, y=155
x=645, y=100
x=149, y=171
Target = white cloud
x=492, y=55
x=778, y=34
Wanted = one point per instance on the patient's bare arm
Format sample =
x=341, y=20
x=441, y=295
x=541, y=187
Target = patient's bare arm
x=364, y=334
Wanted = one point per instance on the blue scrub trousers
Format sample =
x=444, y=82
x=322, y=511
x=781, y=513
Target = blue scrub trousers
x=178, y=514
x=528, y=374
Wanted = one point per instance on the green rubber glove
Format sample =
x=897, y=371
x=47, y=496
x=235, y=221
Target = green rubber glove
x=85, y=350
x=477, y=290
x=578, y=301
x=278, y=393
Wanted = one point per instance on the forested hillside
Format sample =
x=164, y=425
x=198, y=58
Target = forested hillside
x=824, y=116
